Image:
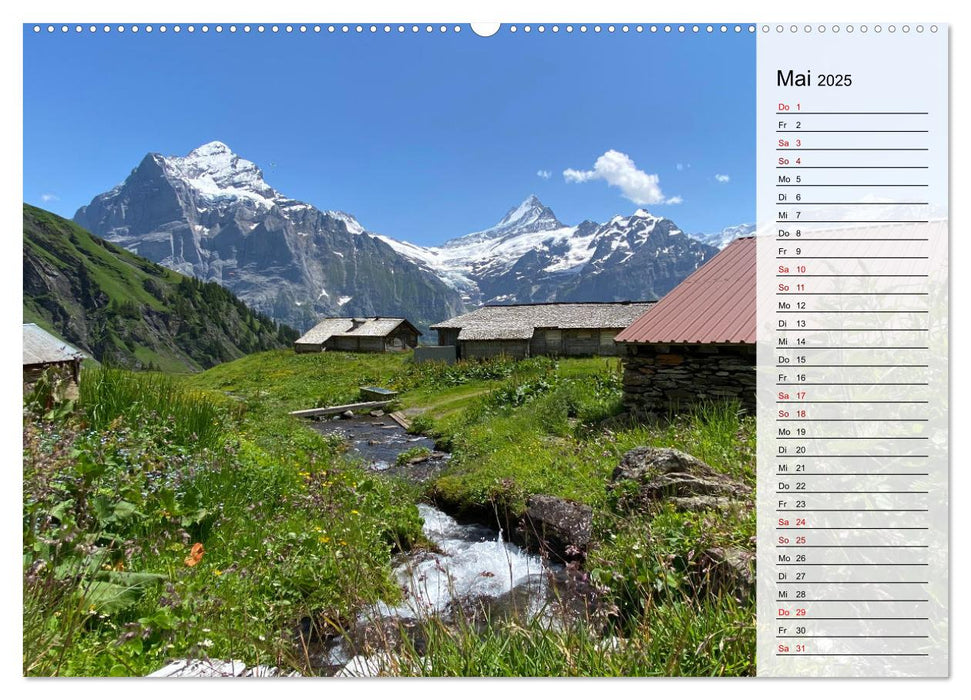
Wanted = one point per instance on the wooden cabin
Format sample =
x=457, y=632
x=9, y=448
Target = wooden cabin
x=359, y=335
x=44, y=351
x=525, y=330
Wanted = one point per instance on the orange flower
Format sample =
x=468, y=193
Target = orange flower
x=195, y=556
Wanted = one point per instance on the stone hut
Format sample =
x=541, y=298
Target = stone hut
x=698, y=343
x=45, y=351
x=524, y=330
x=359, y=335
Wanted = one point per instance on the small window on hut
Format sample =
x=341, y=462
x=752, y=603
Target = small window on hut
x=554, y=336
x=607, y=338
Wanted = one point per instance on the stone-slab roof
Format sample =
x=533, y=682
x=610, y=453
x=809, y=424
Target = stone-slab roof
x=319, y=334
x=519, y=321
x=376, y=327
x=41, y=347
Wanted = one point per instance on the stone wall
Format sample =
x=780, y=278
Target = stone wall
x=659, y=378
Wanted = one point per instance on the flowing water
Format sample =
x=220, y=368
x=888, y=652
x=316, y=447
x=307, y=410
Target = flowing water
x=474, y=572
x=379, y=440
x=473, y=566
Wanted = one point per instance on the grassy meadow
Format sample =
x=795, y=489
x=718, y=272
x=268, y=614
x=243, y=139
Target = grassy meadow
x=172, y=517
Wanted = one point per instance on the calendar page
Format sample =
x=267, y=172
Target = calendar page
x=543, y=349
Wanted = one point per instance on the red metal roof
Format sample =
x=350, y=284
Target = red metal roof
x=715, y=304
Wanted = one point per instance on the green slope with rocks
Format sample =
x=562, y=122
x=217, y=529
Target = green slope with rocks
x=125, y=310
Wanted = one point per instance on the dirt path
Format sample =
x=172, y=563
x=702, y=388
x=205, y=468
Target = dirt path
x=446, y=405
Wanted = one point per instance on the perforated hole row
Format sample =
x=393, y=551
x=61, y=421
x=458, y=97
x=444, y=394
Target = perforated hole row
x=385, y=28
x=848, y=28
x=445, y=29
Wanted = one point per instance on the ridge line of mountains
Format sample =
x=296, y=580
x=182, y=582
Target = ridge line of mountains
x=127, y=311
x=210, y=214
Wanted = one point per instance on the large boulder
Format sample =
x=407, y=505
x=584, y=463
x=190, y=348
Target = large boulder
x=559, y=527
x=728, y=571
x=648, y=477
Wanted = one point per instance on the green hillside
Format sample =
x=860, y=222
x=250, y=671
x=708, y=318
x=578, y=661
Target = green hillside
x=129, y=311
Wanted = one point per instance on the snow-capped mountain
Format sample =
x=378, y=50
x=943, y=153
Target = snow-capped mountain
x=462, y=262
x=530, y=256
x=722, y=238
x=211, y=214
x=532, y=216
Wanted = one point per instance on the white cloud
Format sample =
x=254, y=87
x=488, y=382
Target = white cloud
x=618, y=170
x=679, y=166
x=722, y=178
x=545, y=174
x=48, y=197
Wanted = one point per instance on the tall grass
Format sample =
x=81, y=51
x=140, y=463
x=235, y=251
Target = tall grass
x=682, y=638
x=679, y=632
x=719, y=433
x=106, y=394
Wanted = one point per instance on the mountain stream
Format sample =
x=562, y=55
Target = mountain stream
x=475, y=571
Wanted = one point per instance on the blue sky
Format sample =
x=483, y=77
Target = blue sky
x=422, y=137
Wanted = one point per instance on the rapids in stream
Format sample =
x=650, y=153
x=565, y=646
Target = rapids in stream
x=474, y=572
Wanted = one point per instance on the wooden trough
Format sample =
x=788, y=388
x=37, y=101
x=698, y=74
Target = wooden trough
x=376, y=393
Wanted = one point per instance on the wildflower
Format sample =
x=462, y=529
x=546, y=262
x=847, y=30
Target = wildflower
x=354, y=512
x=324, y=538
x=218, y=572
x=120, y=566
x=195, y=556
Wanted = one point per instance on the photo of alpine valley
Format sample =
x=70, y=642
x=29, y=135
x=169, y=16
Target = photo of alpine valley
x=266, y=436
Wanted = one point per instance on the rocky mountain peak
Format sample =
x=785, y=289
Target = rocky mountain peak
x=210, y=214
x=215, y=171
x=530, y=216
x=213, y=148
